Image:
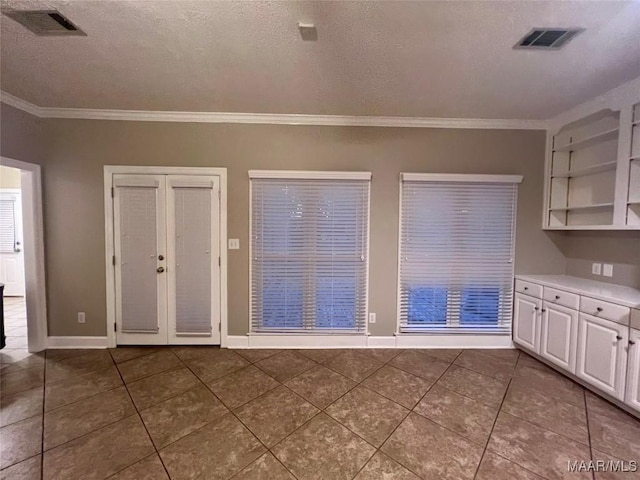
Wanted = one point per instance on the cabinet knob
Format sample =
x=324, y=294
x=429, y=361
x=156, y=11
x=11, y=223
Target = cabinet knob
x=557, y=297
x=631, y=342
x=543, y=310
x=618, y=337
x=599, y=309
x=536, y=308
x=526, y=288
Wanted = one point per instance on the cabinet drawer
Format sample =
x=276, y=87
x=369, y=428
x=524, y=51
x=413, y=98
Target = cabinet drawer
x=529, y=288
x=560, y=297
x=610, y=311
x=635, y=318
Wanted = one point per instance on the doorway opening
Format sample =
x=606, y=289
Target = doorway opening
x=22, y=258
x=12, y=261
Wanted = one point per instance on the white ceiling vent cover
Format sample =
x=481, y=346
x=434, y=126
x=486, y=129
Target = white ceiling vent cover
x=548, y=38
x=44, y=22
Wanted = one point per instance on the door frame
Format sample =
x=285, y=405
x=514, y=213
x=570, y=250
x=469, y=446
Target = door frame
x=34, y=259
x=109, y=172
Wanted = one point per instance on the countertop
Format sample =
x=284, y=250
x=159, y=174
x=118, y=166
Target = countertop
x=627, y=296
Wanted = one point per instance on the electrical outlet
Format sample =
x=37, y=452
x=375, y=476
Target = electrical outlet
x=607, y=270
x=596, y=268
x=81, y=317
x=234, y=244
x=372, y=318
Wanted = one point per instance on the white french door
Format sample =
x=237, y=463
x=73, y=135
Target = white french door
x=167, y=259
x=11, y=254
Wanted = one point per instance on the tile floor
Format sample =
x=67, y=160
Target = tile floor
x=206, y=413
x=15, y=326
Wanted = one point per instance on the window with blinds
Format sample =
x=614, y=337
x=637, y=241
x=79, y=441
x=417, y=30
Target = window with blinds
x=309, y=251
x=456, y=253
x=7, y=225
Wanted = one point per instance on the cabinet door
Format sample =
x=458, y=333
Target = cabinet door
x=633, y=373
x=526, y=322
x=602, y=356
x=559, y=335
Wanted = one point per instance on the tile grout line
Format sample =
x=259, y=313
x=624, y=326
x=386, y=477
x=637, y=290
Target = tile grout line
x=141, y=421
x=411, y=410
x=504, y=396
x=44, y=393
x=268, y=450
x=586, y=415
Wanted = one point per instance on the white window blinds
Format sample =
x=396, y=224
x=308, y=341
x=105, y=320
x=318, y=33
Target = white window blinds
x=456, y=253
x=309, y=247
x=7, y=225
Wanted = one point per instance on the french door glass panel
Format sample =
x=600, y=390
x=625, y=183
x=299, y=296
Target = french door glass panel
x=140, y=219
x=166, y=231
x=193, y=253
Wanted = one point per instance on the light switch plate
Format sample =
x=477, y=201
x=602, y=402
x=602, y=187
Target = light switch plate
x=234, y=244
x=596, y=269
x=372, y=318
x=607, y=270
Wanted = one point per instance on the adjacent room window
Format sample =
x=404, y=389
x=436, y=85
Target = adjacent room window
x=7, y=224
x=456, y=253
x=309, y=251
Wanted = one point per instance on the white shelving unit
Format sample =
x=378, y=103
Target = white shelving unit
x=633, y=198
x=593, y=171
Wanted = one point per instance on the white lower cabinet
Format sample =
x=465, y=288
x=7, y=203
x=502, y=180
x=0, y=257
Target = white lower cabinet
x=633, y=371
x=526, y=321
x=558, y=335
x=602, y=355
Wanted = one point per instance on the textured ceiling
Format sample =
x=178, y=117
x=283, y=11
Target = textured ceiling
x=425, y=59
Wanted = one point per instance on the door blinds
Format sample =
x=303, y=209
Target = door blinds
x=456, y=253
x=7, y=225
x=193, y=256
x=138, y=227
x=309, y=247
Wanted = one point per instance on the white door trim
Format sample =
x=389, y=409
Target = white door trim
x=34, y=259
x=109, y=172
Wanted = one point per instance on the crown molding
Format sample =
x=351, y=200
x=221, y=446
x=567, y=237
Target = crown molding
x=271, y=118
x=20, y=104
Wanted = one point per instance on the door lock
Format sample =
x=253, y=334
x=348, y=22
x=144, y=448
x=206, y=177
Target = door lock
x=160, y=269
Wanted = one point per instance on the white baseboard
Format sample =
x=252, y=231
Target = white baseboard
x=323, y=341
x=237, y=341
x=306, y=341
x=454, y=341
x=381, y=342
x=77, y=342
x=362, y=341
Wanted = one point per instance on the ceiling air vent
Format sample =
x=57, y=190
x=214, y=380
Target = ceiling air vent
x=44, y=22
x=548, y=38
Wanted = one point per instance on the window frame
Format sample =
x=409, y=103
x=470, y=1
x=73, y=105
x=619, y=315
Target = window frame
x=446, y=177
x=310, y=175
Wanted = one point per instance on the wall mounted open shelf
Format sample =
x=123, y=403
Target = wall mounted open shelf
x=593, y=172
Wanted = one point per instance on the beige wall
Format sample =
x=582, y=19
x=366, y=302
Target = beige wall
x=9, y=177
x=622, y=249
x=77, y=151
x=21, y=135
x=73, y=153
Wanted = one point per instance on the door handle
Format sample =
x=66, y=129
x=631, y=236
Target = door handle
x=160, y=269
